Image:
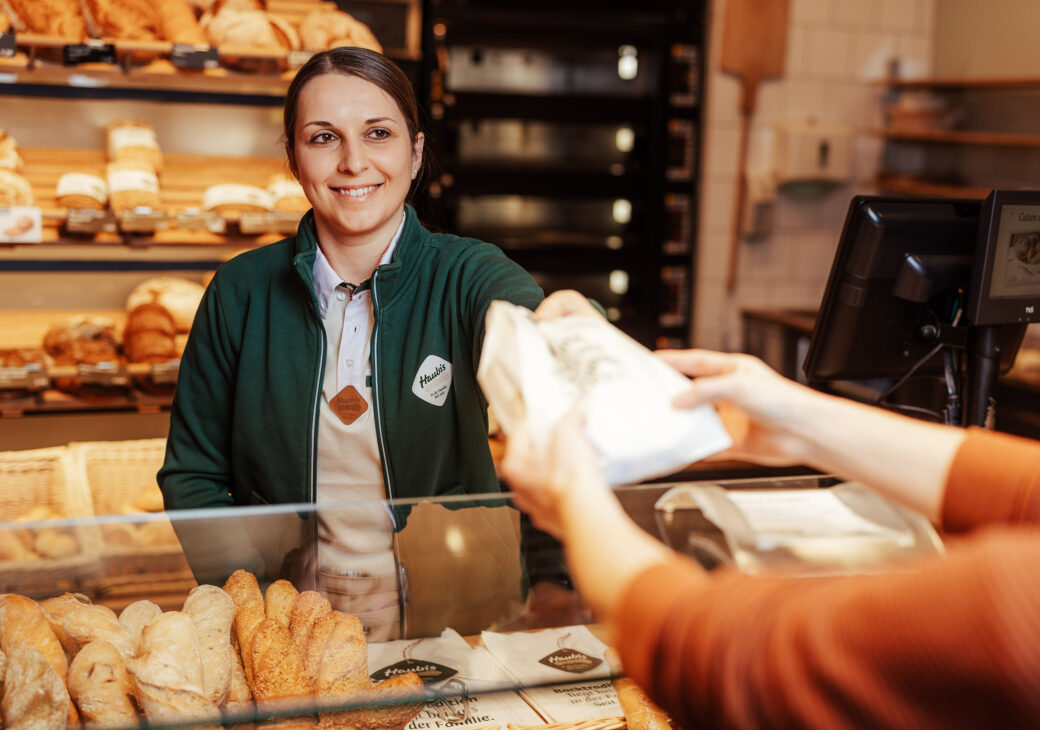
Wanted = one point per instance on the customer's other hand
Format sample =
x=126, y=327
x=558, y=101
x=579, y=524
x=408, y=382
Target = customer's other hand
x=563, y=302
x=763, y=422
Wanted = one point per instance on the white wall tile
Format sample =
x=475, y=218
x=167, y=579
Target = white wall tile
x=899, y=15
x=829, y=53
x=855, y=14
x=796, y=60
x=814, y=12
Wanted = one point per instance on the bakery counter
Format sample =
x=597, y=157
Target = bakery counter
x=442, y=588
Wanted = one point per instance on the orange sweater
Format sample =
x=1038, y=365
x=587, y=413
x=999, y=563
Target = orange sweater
x=953, y=643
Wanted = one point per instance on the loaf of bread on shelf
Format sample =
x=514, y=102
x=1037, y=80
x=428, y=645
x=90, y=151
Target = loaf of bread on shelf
x=14, y=189
x=81, y=190
x=167, y=674
x=132, y=185
x=34, y=695
x=287, y=195
x=328, y=27
x=248, y=28
x=148, y=334
x=100, y=686
x=128, y=20
x=5, y=27
x=134, y=141
x=227, y=198
x=180, y=297
x=11, y=548
x=10, y=158
x=177, y=22
x=55, y=543
x=49, y=17
x=84, y=339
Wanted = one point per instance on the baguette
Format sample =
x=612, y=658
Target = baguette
x=277, y=669
x=640, y=711
x=308, y=608
x=400, y=697
x=34, y=695
x=100, y=686
x=249, y=612
x=212, y=611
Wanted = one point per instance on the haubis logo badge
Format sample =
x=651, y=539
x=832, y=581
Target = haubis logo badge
x=571, y=660
x=433, y=380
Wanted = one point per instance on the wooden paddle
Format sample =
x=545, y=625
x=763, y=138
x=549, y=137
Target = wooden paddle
x=754, y=40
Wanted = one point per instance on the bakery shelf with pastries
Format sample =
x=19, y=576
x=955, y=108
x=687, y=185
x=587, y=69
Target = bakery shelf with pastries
x=96, y=360
x=179, y=211
x=211, y=46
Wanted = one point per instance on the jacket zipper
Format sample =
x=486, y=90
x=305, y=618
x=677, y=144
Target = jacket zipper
x=375, y=392
x=315, y=404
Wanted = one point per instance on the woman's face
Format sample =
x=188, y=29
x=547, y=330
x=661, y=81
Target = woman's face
x=353, y=158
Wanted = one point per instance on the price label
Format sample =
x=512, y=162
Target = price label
x=165, y=373
x=251, y=224
x=8, y=47
x=143, y=220
x=103, y=373
x=21, y=224
x=194, y=58
x=86, y=220
x=29, y=377
x=196, y=220
x=90, y=52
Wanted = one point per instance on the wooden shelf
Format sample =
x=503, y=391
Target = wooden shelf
x=960, y=82
x=909, y=186
x=943, y=136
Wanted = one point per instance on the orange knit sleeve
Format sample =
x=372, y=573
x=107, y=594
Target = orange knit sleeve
x=994, y=478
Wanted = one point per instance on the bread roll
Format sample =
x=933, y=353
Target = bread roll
x=212, y=612
x=80, y=622
x=156, y=533
x=81, y=190
x=343, y=670
x=328, y=28
x=167, y=675
x=55, y=544
x=180, y=297
x=177, y=22
x=249, y=613
x=9, y=157
x=89, y=340
x=149, y=499
x=11, y=548
x=119, y=534
x=50, y=17
x=128, y=20
x=149, y=334
x=34, y=695
x=14, y=189
x=249, y=28
x=135, y=617
x=230, y=198
x=287, y=195
x=100, y=686
x=132, y=184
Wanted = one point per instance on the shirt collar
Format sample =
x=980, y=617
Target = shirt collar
x=326, y=279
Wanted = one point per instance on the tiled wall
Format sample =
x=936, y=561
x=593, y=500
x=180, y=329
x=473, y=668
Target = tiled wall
x=835, y=49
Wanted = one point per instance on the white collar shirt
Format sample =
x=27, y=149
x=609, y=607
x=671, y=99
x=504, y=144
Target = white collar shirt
x=352, y=364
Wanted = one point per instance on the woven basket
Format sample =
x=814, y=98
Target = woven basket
x=117, y=474
x=45, y=478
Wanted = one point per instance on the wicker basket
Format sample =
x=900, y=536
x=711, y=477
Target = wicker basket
x=45, y=478
x=118, y=474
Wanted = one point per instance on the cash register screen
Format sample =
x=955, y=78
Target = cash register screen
x=1006, y=288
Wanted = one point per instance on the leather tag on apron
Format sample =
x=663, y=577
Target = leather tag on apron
x=348, y=404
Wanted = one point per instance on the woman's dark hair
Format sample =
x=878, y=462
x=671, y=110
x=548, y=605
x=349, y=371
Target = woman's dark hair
x=368, y=65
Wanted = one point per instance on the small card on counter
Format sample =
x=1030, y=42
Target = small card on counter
x=541, y=662
x=468, y=687
x=89, y=221
x=21, y=224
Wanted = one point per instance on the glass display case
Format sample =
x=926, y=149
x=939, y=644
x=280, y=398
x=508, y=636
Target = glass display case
x=454, y=630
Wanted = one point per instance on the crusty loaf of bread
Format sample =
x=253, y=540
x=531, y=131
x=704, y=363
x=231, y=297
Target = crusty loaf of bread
x=77, y=622
x=279, y=600
x=249, y=612
x=100, y=686
x=212, y=611
x=167, y=675
x=135, y=617
x=34, y=695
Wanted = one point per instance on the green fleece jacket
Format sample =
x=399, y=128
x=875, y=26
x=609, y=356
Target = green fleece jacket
x=244, y=423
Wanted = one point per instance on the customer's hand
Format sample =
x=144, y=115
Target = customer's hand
x=763, y=423
x=544, y=472
x=563, y=302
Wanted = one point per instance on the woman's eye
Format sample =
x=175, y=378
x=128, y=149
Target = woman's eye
x=380, y=133
x=322, y=138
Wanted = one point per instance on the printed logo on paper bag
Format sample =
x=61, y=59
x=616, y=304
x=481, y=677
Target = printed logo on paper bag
x=429, y=672
x=433, y=381
x=570, y=660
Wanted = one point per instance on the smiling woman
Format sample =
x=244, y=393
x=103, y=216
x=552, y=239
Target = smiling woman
x=340, y=364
